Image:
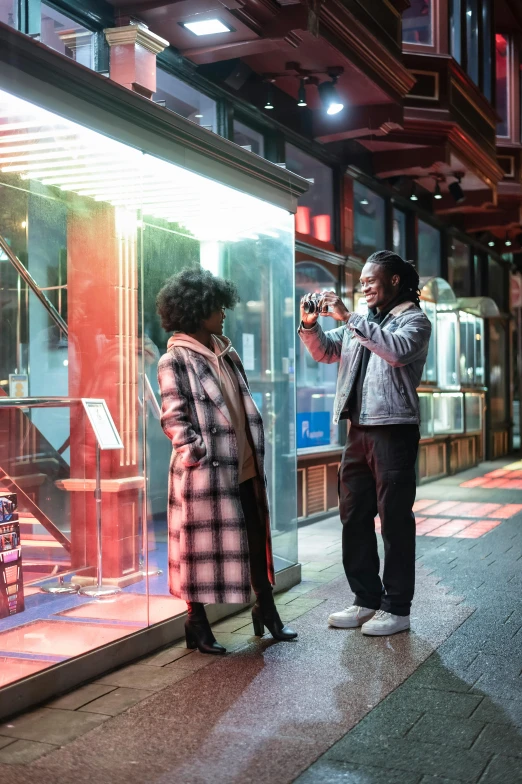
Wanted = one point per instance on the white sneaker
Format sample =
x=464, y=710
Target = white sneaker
x=384, y=623
x=351, y=618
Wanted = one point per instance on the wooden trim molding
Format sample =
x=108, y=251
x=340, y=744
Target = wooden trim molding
x=135, y=35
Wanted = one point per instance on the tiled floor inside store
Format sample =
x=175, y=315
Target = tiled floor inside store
x=440, y=704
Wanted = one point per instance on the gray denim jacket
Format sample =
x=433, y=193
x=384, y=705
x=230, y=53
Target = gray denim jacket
x=399, y=347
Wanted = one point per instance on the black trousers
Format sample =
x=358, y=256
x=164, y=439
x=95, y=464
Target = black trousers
x=256, y=534
x=377, y=475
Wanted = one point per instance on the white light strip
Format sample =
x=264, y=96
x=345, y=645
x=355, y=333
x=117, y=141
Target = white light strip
x=79, y=178
x=37, y=170
x=18, y=126
x=33, y=149
x=27, y=137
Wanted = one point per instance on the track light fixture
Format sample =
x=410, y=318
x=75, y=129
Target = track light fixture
x=491, y=243
x=455, y=189
x=269, y=103
x=330, y=97
x=328, y=94
x=507, y=241
x=437, y=192
x=301, y=96
x=413, y=194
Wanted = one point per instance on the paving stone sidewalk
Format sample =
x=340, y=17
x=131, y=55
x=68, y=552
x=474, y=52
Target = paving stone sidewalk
x=442, y=703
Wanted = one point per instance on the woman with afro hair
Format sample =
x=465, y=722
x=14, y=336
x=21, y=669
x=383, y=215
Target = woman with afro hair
x=218, y=516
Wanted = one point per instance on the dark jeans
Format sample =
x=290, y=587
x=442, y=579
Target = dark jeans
x=256, y=534
x=377, y=475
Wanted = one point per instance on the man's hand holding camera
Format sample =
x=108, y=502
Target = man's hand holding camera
x=325, y=304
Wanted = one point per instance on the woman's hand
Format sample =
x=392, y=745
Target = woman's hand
x=332, y=305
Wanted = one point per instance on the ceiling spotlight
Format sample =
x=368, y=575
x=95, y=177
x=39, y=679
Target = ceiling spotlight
x=508, y=242
x=301, y=96
x=413, y=194
x=437, y=194
x=330, y=97
x=269, y=104
x=207, y=27
x=364, y=202
x=491, y=243
x=456, y=191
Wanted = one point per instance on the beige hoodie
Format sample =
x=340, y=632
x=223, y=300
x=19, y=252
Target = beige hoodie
x=230, y=389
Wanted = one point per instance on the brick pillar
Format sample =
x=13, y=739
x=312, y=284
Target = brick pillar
x=103, y=363
x=133, y=57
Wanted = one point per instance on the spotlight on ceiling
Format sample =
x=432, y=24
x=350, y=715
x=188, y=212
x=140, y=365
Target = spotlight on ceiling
x=413, y=194
x=491, y=243
x=269, y=103
x=456, y=191
x=507, y=241
x=330, y=97
x=364, y=201
x=437, y=193
x=207, y=27
x=301, y=96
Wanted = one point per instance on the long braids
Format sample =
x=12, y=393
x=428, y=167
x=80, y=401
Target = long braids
x=395, y=265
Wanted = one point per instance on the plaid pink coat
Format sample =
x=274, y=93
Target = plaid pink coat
x=208, y=547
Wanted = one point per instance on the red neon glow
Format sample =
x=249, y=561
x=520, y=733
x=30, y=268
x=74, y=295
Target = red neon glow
x=322, y=228
x=302, y=220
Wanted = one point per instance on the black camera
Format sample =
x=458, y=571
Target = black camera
x=312, y=305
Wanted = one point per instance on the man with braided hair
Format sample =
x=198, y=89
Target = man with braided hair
x=381, y=358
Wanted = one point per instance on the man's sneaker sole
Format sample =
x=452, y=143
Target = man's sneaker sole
x=384, y=633
x=355, y=624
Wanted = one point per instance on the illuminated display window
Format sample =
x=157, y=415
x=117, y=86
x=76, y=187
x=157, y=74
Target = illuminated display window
x=315, y=211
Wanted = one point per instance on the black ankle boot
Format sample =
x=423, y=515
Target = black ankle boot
x=198, y=633
x=264, y=613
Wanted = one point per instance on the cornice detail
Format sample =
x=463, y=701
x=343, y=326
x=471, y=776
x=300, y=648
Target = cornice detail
x=135, y=34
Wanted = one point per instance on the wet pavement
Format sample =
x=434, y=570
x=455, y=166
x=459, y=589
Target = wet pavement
x=441, y=703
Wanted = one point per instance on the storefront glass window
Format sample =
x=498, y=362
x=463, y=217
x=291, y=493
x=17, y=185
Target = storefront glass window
x=369, y=221
x=250, y=140
x=8, y=12
x=417, y=23
x=455, y=30
x=498, y=378
x=497, y=283
x=487, y=50
x=447, y=358
x=459, y=276
x=100, y=226
x=183, y=99
x=316, y=381
x=399, y=232
x=315, y=211
x=428, y=257
x=472, y=39
x=426, y=414
x=502, y=85
x=68, y=37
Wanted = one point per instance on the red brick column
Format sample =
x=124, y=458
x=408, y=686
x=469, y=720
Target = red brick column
x=133, y=57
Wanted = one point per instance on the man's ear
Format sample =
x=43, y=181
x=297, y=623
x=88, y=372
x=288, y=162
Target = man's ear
x=395, y=280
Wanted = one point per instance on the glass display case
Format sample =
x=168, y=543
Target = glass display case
x=447, y=349
x=90, y=229
x=429, y=374
x=426, y=414
x=471, y=331
x=448, y=413
x=474, y=403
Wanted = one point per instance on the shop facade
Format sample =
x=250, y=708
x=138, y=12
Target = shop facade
x=103, y=196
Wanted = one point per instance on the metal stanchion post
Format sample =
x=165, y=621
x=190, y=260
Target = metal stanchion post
x=99, y=591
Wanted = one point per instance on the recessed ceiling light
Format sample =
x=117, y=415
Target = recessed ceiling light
x=207, y=27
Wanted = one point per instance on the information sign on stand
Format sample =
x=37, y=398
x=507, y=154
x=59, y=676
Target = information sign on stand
x=107, y=437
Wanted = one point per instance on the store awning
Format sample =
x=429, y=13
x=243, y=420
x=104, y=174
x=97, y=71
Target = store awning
x=484, y=307
x=439, y=291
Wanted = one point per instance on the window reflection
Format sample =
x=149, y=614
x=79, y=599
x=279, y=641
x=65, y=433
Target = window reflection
x=502, y=61
x=68, y=37
x=183, y=99
x=369, y=221
x=315, y=211
x=459, y=268
x=428, y=257
x=455, y=30
x=8, y=12
x=497, y=374
x=417, y=24
x=399, y=232
x=472, y=39
x=250, y=140
x=316, y=381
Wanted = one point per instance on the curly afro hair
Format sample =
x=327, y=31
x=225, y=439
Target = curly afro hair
x=190, y=297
